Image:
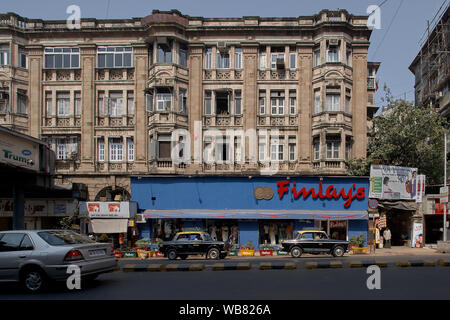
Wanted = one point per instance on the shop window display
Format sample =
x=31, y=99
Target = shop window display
x=273, y=232
x=224, y=231
x=166, y=229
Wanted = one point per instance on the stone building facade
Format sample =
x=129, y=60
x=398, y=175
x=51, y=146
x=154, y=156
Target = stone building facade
x=243, y=95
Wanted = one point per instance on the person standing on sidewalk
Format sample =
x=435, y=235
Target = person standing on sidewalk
x=387, y=237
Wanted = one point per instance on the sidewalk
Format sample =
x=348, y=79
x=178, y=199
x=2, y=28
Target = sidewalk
x=393, y=252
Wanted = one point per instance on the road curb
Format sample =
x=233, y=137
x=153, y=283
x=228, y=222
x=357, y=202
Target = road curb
x=443, y=263
x=224, y=267
x=270, y=266
x=324, y=265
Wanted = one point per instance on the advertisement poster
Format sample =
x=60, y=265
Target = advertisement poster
x=417, y=236
x=420, y=187
x=393, y=183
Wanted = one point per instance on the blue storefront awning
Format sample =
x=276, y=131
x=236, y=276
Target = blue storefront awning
x=252, y=214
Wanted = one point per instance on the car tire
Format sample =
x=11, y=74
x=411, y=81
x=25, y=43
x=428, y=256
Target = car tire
x=213, y=254
x=34, y=280
x=338, y=251
x=172, y=254
x=296, y=252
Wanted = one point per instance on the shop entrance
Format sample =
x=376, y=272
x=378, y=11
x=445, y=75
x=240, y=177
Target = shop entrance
x=400, y=224
x=433, y=227
x=336, y=229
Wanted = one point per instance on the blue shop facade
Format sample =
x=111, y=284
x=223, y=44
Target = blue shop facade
x=251, y=210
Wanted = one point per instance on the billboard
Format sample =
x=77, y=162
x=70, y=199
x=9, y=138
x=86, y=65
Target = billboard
x=393, y=183
x=121, y=210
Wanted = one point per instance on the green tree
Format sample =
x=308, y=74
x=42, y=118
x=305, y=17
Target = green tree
x=408, y=136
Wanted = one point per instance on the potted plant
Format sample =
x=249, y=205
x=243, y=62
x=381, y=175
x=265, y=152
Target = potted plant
x=234, y=250
x=266, y=250
x=142, y=248
x=248, y=249
x=357, y=244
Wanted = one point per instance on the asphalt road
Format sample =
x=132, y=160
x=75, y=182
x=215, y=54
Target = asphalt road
x=396, y=283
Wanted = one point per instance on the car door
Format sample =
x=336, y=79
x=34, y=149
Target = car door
x=321, y=241
x=195, y=242
x=307, y=242
x=12, y=255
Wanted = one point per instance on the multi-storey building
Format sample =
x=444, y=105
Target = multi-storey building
x=252, y=91
x=431, y=66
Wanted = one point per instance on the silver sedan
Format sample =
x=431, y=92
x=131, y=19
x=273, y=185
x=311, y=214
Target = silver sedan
x=34, y=257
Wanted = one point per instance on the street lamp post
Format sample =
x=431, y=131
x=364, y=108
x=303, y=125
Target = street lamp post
x=445, y=184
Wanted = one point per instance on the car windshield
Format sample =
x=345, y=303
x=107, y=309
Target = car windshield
x=63, y=237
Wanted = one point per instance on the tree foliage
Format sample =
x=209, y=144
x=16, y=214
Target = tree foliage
x=408, y=136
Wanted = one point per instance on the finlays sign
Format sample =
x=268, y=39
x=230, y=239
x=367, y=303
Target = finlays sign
x=394, y=183
x=39, y=208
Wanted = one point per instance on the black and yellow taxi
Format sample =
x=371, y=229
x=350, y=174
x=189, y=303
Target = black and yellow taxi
x=314, y=242
x=184, y=244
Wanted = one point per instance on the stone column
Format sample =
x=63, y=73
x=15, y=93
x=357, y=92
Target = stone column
x=140, y=111
x=35, y=66
x=89, y=103
x=250, y=101
x=195, y=104
x=359, y=112
x=305, y=103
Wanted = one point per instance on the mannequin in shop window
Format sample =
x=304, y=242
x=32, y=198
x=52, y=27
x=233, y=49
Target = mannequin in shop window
x=281, y=233
x=224, y=233
x=266, y=233
x=289, y=230
x=212, y=232
x=167, y=229
x=272, y=234
x=234, y=233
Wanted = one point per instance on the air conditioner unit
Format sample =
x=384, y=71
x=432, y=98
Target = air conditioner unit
x=222, y=47
x=140, y=218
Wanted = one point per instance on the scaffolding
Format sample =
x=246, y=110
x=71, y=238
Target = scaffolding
x=432, y=76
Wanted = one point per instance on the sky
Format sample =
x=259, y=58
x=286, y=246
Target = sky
x=395, y=44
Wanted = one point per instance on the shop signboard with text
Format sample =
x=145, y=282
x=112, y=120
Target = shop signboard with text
x=393, y=183
x=95, y=209
x=19, y=152
x=39, y=208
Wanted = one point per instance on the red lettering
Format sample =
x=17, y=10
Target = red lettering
x=330, y=192
x=282, y=188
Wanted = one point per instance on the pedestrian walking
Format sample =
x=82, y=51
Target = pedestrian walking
x=387, y=236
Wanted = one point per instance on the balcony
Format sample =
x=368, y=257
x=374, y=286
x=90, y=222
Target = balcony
x=222, y=74
x=275, y=74
x=222, y=121
x=115, y=122
x=62, y=75
x=277, y=121
x=114, y=74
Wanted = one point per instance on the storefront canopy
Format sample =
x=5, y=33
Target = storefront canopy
x=109, y=225
x=246, y=214
x=400, y=205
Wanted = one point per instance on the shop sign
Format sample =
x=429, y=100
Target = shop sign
x=373, y=204
x=261, y=193
x=439, y=208
x=38, y=208
x=420, y=188
x=331, y=192
x=19, y=152
x=391, y=182
x=122, y=210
